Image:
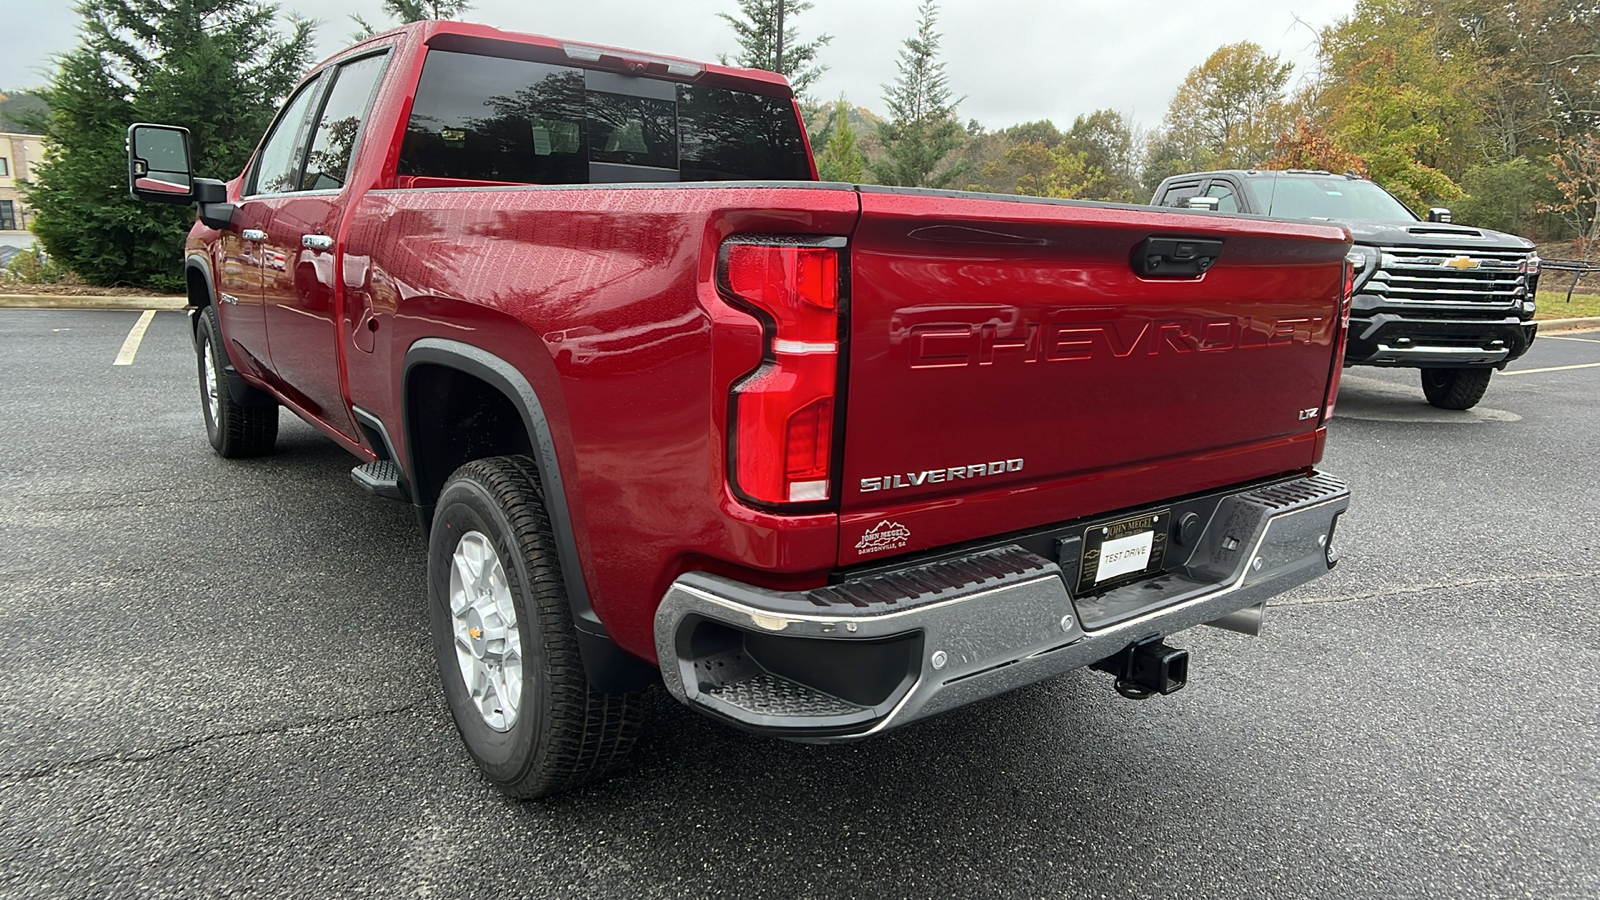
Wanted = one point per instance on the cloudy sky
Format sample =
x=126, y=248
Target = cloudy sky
x=1014, y=60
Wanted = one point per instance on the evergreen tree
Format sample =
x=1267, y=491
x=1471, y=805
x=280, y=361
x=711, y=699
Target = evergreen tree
x=756, y=30
x=216, y=67
x=923, y=128
x=841, y=159
x=406, y=11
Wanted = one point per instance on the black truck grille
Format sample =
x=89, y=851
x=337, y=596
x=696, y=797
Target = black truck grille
x=1462, y=277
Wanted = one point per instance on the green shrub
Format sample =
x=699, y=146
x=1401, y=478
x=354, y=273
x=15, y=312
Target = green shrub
x=34, y=266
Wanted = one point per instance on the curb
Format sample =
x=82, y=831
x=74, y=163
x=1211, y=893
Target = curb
x=1583, y=324
x=68, y=301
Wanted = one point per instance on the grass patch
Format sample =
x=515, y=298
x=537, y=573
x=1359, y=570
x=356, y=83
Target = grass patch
x=1554, y=305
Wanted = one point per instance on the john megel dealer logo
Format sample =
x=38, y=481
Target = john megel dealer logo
x=885, y=535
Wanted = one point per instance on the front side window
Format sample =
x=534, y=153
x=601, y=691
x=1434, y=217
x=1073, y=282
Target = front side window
x=278, y=165
x=1226, y=202
x=483, y=118
x=340, y=123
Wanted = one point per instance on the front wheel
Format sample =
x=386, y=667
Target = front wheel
x=234, y=430
x=505, y=642
x=1455, y=388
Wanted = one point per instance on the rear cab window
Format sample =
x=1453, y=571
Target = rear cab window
x=480, y=118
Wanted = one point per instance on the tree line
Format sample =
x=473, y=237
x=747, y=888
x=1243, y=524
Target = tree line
x=1489, y=106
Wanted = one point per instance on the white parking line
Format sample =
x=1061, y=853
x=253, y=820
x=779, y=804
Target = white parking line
x=1562, y=337
x=1553, y=369
x=130, y=346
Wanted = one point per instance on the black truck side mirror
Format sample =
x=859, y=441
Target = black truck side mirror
x=160, y=170
x=1439, y=214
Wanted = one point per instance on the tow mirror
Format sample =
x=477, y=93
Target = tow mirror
x=1439, y=214
x=159, y=169
x=1209, y=204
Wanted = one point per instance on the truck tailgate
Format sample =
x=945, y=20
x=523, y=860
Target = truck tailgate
x=1008, y=368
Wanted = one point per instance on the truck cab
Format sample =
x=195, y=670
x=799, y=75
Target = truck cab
x=1454, y=301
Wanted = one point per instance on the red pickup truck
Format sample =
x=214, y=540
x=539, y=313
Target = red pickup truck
x=824, y=459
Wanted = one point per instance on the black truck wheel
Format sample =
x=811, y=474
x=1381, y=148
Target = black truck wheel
x=1455, y=388
x=234, y=430
x=504, y=638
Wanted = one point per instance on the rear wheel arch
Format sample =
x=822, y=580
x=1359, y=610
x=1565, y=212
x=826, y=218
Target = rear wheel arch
x=461, y=403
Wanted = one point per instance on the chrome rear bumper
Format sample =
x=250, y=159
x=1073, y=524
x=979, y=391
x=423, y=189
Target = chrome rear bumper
x=856, y=658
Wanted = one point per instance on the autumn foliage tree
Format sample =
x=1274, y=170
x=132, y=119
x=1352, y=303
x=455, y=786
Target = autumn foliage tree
x=1230, y=109
x=1309, y=147
x=1577, y=178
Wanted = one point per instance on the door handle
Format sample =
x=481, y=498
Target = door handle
x=318, y=242
x=253, y=234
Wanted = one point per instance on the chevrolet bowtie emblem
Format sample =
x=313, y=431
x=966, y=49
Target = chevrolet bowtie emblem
x=475, y=633
x=1462, y=263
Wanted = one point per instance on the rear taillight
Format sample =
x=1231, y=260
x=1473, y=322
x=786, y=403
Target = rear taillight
x=783, y=412
x=1344, y=335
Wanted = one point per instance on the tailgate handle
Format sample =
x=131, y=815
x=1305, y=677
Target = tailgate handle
x=1175, y=257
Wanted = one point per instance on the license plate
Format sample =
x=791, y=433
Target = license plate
x=1123, y=551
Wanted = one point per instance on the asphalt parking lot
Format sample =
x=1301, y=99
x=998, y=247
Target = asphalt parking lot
x=216, y=681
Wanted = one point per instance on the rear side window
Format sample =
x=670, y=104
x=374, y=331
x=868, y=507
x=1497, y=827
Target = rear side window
x=1178, y=193
x=482, y=118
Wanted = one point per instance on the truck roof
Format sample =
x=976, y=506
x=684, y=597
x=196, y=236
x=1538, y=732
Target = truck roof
x=450, y=34
x=1251, y=172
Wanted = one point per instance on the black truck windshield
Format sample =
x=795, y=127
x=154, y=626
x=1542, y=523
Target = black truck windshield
x=1327, y=197
x=484, y=118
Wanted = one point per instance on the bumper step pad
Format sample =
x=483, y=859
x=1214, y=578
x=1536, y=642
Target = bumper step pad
x=765, y=694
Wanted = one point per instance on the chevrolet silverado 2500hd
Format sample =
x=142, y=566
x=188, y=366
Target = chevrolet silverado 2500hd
x=1453, y=301
x=823, y=459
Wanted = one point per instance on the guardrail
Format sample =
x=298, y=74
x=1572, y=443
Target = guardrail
x=1577, y=267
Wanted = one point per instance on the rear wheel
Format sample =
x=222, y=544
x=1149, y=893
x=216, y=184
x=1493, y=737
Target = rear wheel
x=1455, y=388
x=504, y=638
x=233, y=429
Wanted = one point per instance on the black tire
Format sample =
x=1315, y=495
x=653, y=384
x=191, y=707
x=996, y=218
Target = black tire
x=564, y=733
x=234, y=431
x=1455, y=388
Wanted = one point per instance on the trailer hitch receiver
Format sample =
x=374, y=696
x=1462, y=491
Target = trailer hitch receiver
x=1147, y=668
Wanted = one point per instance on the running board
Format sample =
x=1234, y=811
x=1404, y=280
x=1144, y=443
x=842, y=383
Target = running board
x=381, y=479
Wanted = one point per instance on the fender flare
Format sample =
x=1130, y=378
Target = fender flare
x=609, y=667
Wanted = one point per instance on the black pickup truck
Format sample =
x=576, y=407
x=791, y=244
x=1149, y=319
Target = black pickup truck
x=1453, y=301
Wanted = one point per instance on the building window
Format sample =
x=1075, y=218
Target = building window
x=5, y=167
x=8, y=216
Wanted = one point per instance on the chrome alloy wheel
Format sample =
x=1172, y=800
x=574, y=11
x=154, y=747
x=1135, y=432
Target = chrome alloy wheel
x=488, y=644
x=211, y=387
